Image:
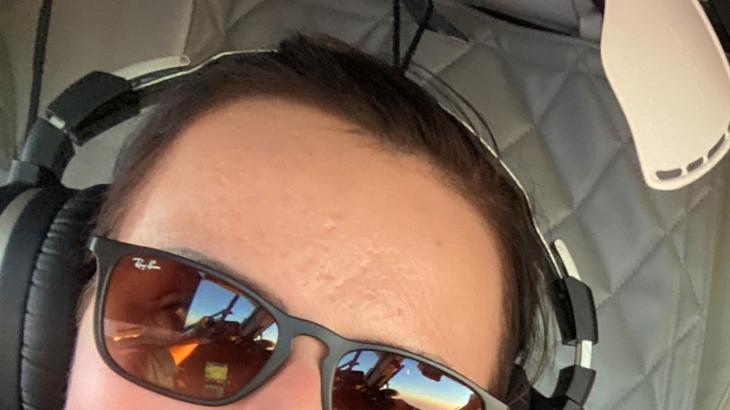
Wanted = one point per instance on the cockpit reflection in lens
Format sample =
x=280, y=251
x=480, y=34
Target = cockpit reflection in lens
x=211, y=342
x=367, y=380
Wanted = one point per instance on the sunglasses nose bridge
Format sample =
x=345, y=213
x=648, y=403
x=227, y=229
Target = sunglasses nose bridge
x=334, y=344
x=302, y=327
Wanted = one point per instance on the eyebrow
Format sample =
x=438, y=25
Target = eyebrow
x=237, y=275
x=243, y=278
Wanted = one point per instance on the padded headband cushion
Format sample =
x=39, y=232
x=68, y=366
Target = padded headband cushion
x=57, y=280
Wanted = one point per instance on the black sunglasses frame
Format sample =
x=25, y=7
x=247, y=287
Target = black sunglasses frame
x=108, y=252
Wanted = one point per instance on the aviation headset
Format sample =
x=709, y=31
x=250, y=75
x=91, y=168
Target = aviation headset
x=44, y=227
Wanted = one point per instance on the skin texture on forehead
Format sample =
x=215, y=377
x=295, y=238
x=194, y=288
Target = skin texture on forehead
x=350, y=234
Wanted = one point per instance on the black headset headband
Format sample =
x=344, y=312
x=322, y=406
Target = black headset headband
x=102, y=100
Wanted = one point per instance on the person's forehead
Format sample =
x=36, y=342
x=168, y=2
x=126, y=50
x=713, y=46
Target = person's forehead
x=348, y=234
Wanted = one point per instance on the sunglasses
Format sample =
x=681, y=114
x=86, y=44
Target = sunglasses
x=179, y=328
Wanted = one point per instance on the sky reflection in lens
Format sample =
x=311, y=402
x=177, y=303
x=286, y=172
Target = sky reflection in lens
x=210, y=298
x=411, y=386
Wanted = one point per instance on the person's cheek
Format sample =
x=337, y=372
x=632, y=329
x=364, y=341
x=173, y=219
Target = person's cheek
x=93, y=385
x=295, y=386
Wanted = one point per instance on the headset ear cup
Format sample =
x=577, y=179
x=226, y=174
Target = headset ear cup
x=57, y=280
x=10, y=192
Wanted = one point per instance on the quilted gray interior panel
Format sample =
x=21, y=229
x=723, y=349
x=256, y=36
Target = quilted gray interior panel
x=712, y=387
x=16, y=55
x=579, y=17
x=649, y=256
x=7, y=106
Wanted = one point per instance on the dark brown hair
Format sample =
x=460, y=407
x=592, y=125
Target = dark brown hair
x=403, y=117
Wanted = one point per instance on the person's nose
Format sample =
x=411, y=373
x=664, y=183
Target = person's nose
x=297, y=384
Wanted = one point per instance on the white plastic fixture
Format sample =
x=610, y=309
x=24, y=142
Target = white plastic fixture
x=671, y=77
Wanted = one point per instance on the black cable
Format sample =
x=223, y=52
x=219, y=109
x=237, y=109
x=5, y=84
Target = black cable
x=403, y=66
x=39, y=58
x=422, y=25
x=396, y=33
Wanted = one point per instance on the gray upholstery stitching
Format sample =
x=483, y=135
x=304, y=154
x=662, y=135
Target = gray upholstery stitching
x=622, y=145
x=654, y=365
x=592, y=190
x=604, y=104
x=448, y=65
x=570, y=70
x=193, y=9
x=654, y=246
x=683, y=265
x=329, y=6
x=684, y=270
x=372, y=29
x=701, y=310
x=675, y=316
x=674, y=342
x=693, y=206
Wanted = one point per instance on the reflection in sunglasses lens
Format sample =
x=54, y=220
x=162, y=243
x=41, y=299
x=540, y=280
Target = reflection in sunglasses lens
x=374, y=380
x=183, y=330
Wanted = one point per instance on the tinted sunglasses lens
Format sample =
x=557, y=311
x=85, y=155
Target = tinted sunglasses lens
x=183, y=330
x=371, y=380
